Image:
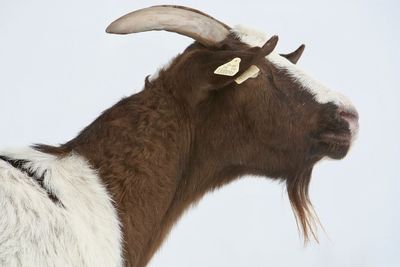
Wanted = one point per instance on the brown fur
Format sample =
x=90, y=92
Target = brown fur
x=190, y=131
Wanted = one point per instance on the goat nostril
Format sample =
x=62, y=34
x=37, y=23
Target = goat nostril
x=348, y=115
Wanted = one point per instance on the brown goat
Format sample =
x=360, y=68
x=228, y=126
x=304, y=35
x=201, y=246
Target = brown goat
x=191, y=130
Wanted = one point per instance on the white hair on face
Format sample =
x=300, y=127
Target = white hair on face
x=321, y=93
x=34, y=231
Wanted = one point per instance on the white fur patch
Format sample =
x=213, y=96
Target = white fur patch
x=34, y=231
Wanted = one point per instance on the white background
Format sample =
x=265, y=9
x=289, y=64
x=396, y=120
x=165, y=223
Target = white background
x=59, y=70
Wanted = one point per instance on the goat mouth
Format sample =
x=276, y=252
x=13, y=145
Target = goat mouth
x=336, y=141
x=336, y=144
x=343, y=139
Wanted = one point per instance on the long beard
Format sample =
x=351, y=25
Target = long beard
x=306, y=218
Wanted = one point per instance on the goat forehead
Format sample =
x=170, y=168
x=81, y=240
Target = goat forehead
x=321, y=93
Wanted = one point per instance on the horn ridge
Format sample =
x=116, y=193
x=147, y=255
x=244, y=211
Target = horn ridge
x=197, y=11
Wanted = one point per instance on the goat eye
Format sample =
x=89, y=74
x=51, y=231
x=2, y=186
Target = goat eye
x=269, y=77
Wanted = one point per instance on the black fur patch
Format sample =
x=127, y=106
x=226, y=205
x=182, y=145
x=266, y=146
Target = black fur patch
x=39, y=179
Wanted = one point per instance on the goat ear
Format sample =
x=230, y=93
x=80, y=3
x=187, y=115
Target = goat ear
x=214, y=69
x=294, y=56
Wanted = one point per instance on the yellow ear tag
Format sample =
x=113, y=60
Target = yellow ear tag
x=230, y=68
x=251, y=72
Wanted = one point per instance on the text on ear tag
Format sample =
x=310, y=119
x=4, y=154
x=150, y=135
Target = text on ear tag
x=251, y=72
x=230, y=68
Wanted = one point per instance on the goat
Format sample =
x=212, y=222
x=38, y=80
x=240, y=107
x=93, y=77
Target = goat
x=227, y=106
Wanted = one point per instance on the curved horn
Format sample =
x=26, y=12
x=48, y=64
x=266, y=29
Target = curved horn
x=186, y=21
x=295, y=56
